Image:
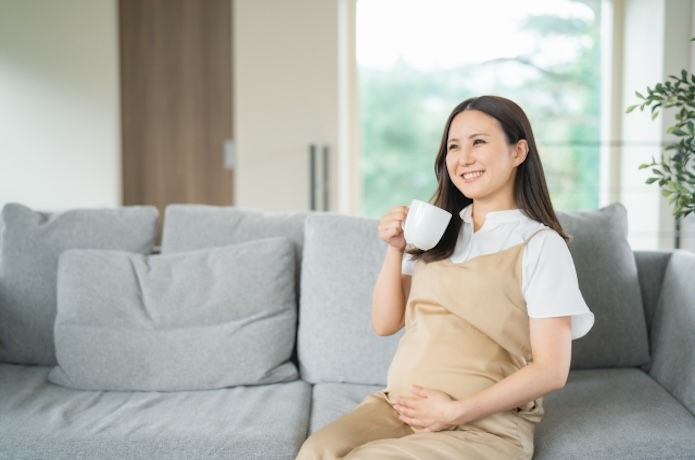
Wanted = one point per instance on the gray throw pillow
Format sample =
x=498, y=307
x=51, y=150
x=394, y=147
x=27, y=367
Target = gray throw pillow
x=609, y=282
x=32, y=243
x=197, y=320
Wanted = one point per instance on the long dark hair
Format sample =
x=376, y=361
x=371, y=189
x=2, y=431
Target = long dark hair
x=530, y=189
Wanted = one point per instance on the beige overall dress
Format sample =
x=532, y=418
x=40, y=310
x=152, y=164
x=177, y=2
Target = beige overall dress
x=467, y=327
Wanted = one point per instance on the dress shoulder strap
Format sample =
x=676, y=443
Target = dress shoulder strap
x=544, y=229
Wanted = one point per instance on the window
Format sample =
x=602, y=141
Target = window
x=417, y=59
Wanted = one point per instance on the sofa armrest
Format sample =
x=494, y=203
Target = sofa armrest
x=672, y=339
x=651, y=268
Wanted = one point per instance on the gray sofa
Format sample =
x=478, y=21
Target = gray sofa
x=247, y=331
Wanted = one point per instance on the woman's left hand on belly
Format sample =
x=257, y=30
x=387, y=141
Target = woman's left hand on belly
x=428, y=411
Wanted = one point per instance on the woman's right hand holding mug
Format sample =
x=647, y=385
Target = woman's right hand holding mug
x=391, y=227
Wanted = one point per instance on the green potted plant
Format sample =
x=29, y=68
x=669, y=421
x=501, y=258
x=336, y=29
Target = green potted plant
x=674, y=170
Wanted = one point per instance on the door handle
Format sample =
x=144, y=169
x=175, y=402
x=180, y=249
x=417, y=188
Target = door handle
x=319, y=186
x=228, y=154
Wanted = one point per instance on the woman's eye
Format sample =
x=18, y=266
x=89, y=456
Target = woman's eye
x=478, y=141
x=452, y=147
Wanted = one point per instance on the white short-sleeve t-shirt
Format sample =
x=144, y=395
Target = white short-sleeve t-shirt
x=549, y=278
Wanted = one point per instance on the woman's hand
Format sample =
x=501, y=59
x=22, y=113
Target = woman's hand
x=428, y=411
x=391, y=227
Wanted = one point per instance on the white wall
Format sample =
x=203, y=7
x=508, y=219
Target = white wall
x=59, y=103
x=656, y=44
x=292, y=88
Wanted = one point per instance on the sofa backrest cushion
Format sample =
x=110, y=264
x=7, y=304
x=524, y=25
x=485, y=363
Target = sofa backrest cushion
x=609, y=282
x=197, y=320
x=2, y=232
x=192, y=226
x=335, y=342
x=342, y=258
x=32, y=243
x=672, y=337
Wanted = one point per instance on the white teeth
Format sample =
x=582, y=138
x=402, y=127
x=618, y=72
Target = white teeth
x=471, y=175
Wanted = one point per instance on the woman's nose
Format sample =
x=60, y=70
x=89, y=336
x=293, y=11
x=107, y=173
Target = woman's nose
x=465, y=157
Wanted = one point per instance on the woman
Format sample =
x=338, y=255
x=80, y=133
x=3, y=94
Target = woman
x=490, y=312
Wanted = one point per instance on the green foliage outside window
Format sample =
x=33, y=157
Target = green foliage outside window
x=404, y=109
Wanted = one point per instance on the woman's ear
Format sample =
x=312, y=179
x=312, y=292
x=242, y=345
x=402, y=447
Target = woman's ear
x=520, y=152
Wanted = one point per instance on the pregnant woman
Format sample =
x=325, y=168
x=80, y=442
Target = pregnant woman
x=489, y=313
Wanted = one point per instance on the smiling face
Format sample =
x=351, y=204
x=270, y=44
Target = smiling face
x=480, y=161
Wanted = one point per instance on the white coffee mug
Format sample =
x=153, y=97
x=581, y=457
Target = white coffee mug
x=425, y=225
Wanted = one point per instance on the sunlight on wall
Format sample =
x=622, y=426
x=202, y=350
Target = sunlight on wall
x=60, y=110
x=439, y=34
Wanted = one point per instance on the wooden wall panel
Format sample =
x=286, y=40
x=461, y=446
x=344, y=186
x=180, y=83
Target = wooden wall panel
x=176, y=90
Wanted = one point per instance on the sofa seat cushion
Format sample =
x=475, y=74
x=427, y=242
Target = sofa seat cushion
x=329, y=401
x=614, y=414
x=42, y=420
x=600, y=414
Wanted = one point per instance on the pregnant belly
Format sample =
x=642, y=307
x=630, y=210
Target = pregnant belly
x=459, y=364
